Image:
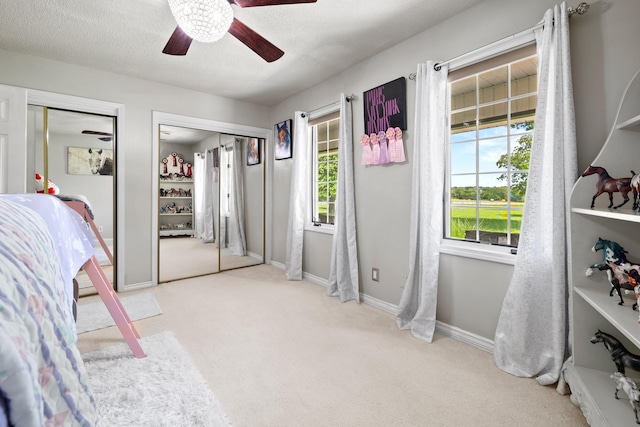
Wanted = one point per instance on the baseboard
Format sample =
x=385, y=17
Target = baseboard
x=315, y=280
x=464, y=336
x=441, y=327
x=136, y=286
x=276, y=264
x=378, y=303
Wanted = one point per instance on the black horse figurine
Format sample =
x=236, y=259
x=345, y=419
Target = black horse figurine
x=619, y=354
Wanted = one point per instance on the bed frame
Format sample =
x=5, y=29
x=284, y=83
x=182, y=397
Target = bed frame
x=104, y=288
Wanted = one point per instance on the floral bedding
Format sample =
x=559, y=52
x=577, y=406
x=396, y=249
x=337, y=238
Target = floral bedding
x=43, y=381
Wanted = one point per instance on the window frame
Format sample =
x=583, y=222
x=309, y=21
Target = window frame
x=472, y=249
x=226, y=177
x=315, y=116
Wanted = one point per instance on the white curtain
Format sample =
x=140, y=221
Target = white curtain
x=343, y=274
x=237, y=242
x=204, y=196
x=417, y=308
x=532, y=336
x=298, y=197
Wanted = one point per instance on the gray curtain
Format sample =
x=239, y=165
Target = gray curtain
x=343, y=275
x=237, y=242
x=204, y=196
x=298, y=197
x=532, y=336
x=417, y=308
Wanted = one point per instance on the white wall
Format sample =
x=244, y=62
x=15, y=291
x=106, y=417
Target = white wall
x=604, y=57
x=140, y=98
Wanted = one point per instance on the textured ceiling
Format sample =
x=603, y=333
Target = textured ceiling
x=127, y=37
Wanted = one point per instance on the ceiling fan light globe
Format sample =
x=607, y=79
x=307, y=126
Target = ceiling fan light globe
x=203, y=20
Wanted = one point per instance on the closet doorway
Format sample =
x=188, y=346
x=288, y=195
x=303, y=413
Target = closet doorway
x=211, y=202
x=72, y=154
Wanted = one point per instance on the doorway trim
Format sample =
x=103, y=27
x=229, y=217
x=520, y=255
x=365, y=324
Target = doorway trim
x=88, y=105
x=169, y=119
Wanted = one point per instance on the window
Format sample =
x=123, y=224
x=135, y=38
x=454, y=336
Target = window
x=324, y=171
x=492, y=115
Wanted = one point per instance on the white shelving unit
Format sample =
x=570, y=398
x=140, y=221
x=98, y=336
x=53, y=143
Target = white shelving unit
x=175, y=197
x=589, y=372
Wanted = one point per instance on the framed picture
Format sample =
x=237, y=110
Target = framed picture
x=253, y=151
x=89, y=161
x=385, y=106
x=284, y=140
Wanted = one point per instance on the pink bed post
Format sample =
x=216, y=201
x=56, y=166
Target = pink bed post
x=111, y=300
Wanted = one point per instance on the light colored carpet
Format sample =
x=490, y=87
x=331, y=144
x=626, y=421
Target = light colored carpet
x=93, y=314
x=162, y=389
x=101, y=255
x=279, y=353
x=183, y=257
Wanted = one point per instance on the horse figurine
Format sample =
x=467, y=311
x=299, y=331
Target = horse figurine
x=630, y=388
x=622, y=357
x=607, y=184
x=635, y=189
x=621, y=272
x=99, y=163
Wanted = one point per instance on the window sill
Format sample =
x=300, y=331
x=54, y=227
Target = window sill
x=484, y=252
x=324, y=229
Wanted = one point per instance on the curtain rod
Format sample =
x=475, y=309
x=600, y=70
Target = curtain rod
x=349, y=98
x=581, y=9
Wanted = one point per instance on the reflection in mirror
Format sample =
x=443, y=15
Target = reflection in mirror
x=211, y=210
x=72, y=154
x=187, y=194
x=241, y=201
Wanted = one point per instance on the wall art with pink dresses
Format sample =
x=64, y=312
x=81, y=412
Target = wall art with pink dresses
x=383, y=147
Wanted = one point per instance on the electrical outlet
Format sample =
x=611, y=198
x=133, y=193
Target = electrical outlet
x=375, y=274
x=100, y=228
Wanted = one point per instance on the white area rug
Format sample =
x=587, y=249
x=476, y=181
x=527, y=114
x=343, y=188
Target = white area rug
x=162, y=389
x=94, y=315
x=101, y=255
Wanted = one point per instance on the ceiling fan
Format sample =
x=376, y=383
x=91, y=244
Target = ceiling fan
x=209, y=20
x=104, y=136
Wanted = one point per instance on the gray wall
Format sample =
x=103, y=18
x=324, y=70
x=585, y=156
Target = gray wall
x=140, y=98
x=604, y=57
x=96, y=188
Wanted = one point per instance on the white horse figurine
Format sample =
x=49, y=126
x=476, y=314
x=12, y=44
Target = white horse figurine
x=622, y=273
x=629, y=387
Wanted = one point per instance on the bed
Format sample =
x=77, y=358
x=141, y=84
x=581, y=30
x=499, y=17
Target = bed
x=43, y=381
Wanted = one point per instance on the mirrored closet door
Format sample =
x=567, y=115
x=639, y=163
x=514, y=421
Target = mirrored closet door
x=71, y=154
x=242, y=203
x=211, y=203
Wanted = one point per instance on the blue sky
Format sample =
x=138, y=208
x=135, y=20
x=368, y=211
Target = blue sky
x=463, y=156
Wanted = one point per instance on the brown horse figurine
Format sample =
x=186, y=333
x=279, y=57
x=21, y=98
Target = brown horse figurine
x=607, y=184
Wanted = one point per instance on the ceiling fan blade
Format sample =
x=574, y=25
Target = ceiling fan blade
x=255, y=41
x=93, y=132
x=254, y=3
x=178, y=43
x=105, y=138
